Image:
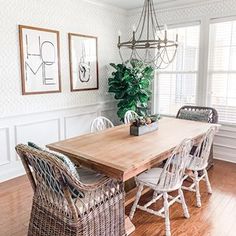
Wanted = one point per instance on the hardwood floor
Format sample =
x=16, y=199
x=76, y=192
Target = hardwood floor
x=216, y=217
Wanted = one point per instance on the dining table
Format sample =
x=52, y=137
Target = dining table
x=117, y=154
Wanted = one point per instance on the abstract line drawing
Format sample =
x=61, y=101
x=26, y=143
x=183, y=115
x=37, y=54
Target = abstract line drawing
x=84, y=67
x=83, y=62
x=40, y=60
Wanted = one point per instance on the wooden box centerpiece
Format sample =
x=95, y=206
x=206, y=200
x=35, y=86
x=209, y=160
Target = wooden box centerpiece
x=144, y=125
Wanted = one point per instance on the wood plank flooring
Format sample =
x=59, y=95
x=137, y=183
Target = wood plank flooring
x=216, y=217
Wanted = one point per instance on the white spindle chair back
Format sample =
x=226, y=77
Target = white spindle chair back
x=199, y=160
x=101, y=123
x=129, y=116
x=174, y=169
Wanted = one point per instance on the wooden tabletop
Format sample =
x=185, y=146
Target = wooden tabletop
x=117, y=154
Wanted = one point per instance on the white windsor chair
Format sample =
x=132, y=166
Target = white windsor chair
x=165, y=180
x=129, y=116
x=199, y=162
x=101, y=123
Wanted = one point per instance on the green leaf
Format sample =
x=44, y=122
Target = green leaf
x=143, y=98
x=144, y=83
x=130, y=84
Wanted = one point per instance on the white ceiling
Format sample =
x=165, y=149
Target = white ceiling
x=131, y=4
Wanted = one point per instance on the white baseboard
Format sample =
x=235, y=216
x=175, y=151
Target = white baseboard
x=13, y=171
x=225, y=157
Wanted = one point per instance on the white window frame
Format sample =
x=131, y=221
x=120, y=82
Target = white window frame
x=208, y=81
x=203, y=92
x=155, y=97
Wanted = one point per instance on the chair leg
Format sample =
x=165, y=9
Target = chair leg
x=167, y=218
x=155, y=194
x=198, y=195
x=209, y=189
x=184, y=206
x=138, y=195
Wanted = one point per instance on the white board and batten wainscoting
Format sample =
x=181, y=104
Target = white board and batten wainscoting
x=43, y=128
x=47, y=127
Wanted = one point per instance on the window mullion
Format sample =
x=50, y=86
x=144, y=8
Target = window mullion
x=203, y=87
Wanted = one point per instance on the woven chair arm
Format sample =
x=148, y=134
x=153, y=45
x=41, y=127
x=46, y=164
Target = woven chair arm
x=76, y=183
x=22, y=150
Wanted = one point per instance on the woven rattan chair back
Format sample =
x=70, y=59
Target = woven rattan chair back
x=212, y=117
x=174, y=168
x=57, y=211
x=129, y=116
x=101, y=123
x=199, y=160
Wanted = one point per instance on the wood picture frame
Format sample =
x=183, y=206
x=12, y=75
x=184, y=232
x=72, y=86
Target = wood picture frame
x=40, y=60
x=83, y=59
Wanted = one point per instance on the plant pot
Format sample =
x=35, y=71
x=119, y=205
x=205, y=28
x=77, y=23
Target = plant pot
x=144, y=129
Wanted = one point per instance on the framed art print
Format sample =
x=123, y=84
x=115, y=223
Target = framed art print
x=40, y=60
x=83, y=62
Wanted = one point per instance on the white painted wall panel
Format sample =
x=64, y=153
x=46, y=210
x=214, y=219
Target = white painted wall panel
x=41, y=133
x=44, y=128
x=79, y=125
x=4, y=147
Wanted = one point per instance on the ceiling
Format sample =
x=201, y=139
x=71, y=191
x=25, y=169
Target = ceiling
x=131, y=4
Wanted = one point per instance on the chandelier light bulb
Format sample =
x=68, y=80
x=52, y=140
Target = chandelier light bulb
x=165, y=27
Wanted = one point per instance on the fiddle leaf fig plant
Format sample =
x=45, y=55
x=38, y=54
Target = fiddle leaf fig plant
x=131, y=84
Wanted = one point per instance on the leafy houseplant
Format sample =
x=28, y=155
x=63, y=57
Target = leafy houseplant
x=131, y=84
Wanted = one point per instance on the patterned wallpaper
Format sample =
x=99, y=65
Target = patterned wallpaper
x=78, y=16
x=75, y=16
x=191, y=12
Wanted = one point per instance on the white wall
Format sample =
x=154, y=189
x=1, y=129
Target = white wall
x=183, y=11
x=52, y=117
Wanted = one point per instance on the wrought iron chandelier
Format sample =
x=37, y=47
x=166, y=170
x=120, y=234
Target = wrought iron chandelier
x=149, y=42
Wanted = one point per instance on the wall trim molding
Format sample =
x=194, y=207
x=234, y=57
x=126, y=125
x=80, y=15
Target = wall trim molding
x=34, y=123
x=107, y=6
x=76, y=116
x=102, y=103
x=170, y=6
x=225, y=146
x=7, y=133
x=225, y=157
x=13, y=168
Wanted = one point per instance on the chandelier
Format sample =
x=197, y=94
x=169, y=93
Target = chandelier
x=149, y=42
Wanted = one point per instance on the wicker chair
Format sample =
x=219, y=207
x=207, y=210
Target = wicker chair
x=212, y=118
x=63, y=205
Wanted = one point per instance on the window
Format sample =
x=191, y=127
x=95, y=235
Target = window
x=222, y=70
x=177, y=84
